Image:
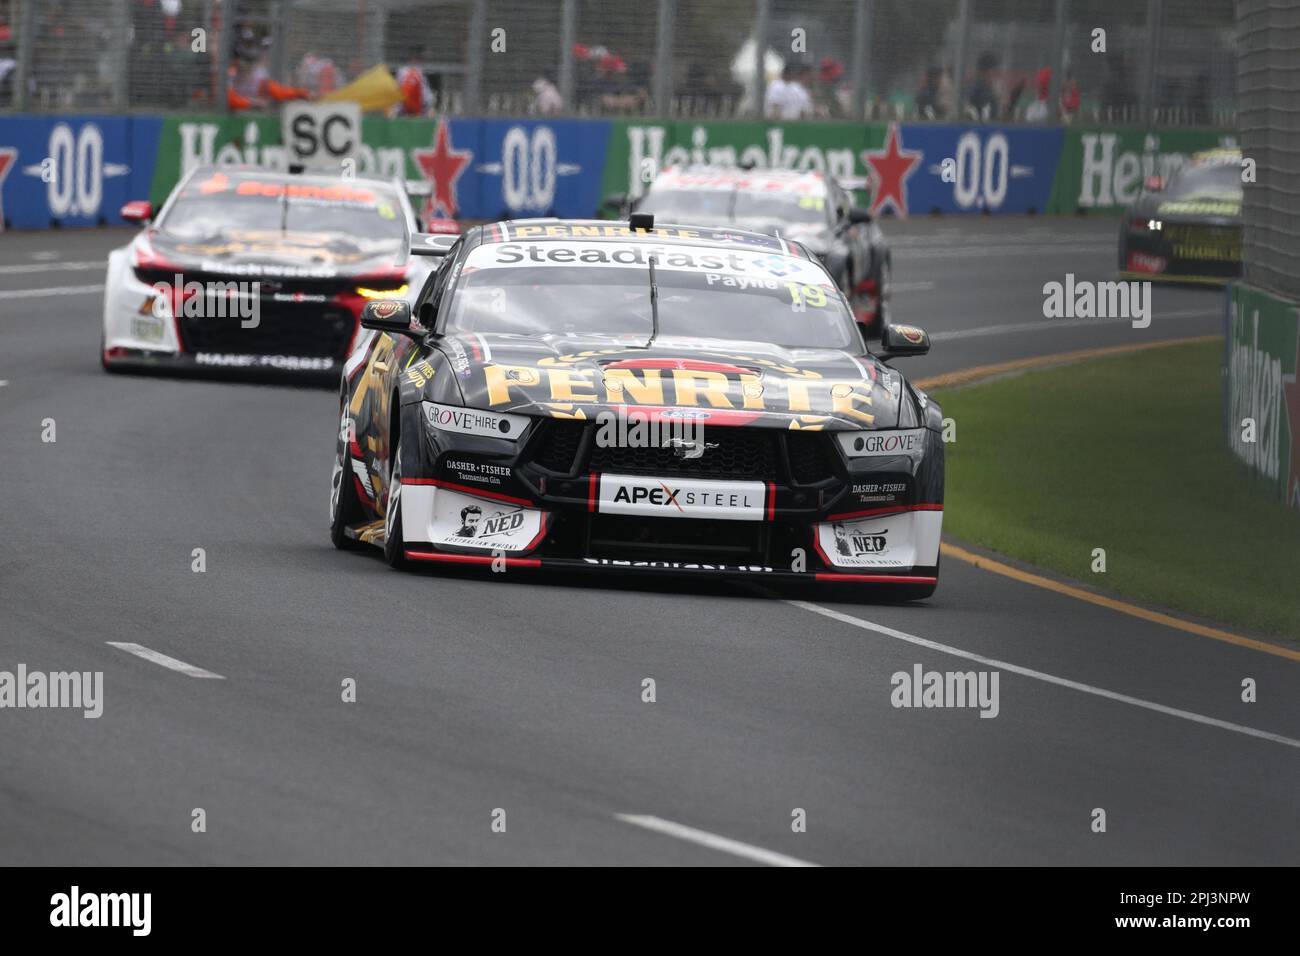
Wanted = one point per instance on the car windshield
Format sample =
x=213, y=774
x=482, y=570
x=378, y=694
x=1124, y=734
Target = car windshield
x=1210, y=181
x=603, y=289
x=221, y=205
x=738, y=206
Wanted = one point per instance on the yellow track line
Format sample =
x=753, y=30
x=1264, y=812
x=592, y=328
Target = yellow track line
x=968, y=376
x=997, y=567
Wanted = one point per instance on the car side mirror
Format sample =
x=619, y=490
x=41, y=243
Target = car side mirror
x=1154, y=184
x=859, y=216
x=899, y=341
x=390, y=315
x=137, y=210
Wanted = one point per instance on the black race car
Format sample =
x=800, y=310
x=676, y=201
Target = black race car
x=637, y=397
x=809, y=207
x=249, y=270
x=1188, y=229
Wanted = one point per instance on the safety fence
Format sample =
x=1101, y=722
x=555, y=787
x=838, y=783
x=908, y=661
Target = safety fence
x=1159, y=62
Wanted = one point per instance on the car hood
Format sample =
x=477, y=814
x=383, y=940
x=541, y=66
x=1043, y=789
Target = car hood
x=719, y=381
x=274, y=254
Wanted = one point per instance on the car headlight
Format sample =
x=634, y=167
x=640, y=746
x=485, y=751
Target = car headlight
x=398, y=292
x=475, y=421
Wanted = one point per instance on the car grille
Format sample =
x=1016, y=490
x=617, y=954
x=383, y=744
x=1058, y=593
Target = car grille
x=558, y=445
x=810, y=457
x=746, y=454
x=281, y=330
x=742, y=453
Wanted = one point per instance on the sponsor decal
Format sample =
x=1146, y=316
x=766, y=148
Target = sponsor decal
x=476, y=472
x=909, y=441
x=878, y=492
x=296, y=363
x=1199, y=207
x=1150, y=265
x=757, y=266
x=682, y=498
x=676, y=565
x=147, y=329
x=459, y=358
x=464, y=521
x=910, y=333
x=384, y=308
x=267, y=269
x=298, y=297
x=473, y=421
x=880, y=542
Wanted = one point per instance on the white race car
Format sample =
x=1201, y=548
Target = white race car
x=247, y=270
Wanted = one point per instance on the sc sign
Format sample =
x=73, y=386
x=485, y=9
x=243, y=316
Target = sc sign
x=322, y=136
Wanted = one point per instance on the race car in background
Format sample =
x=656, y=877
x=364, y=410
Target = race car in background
x=627, y=396
x=1189, y=228
x=254, y=271
x=809, y=207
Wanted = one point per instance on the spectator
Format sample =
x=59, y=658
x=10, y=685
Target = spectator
x=1069, y=98
x=546, y=97
x=983, y=97
x=827, y=92
x=787, y=98
x=1038, y=111
x=417, y=95
x=1117, y=93
x=934, y=101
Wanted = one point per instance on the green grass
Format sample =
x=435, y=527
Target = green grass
x=1127, y=454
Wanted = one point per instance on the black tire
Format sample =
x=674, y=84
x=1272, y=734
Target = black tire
x=394, y=549
x=345, y=507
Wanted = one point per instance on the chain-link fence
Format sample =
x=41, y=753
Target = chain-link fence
x=1268, y=86
x=1166, y=62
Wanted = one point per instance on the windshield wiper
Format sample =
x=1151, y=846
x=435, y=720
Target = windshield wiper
x=654, y=305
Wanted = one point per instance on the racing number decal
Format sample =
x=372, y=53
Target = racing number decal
x=813, y=295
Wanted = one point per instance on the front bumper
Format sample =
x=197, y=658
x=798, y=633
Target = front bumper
x=1181, y=252
x=868, y=520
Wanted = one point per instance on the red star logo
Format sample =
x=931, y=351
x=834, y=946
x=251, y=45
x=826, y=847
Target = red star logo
x=1291, y=389
x=8, y=155
x=442, y=166
x=889, y=168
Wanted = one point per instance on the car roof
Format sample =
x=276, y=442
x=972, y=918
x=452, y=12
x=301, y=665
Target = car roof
x=803, y=182
x=610, y=230
x=249, y=173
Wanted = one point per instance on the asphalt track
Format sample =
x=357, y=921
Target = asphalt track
x=479, y=691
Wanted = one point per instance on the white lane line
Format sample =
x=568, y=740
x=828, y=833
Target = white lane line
x=1060, y=324
x=1046, y=678
x=53, y=267
x=712, y=840
x=981, y=252
x=50, y=290
x=895, y=286
x=139, y=650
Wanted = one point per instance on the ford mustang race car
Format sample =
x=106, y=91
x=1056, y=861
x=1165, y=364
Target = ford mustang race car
x=1188, y=229
x=810, y=207
x=253, y=271
x=626, y=396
